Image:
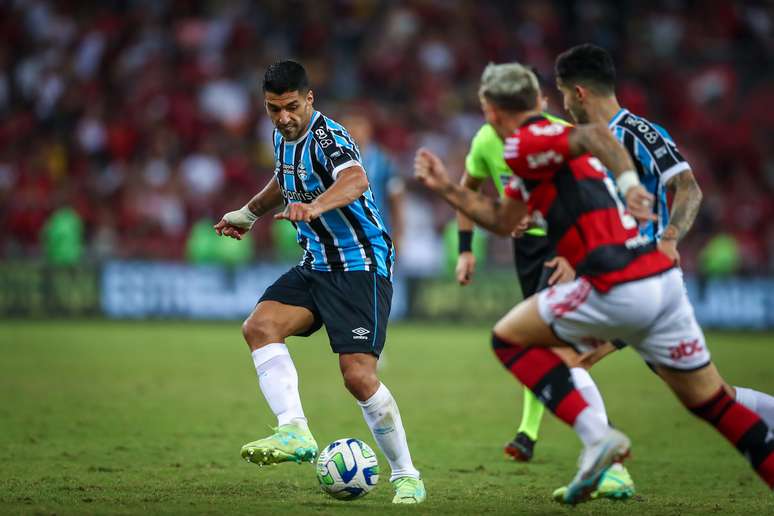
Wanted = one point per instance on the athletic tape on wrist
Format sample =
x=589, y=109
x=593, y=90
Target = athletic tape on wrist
x=627, y=180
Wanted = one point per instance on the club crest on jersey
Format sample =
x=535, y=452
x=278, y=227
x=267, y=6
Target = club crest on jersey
x=302, y=173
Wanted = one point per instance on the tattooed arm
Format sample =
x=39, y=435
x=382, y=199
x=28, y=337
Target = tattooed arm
x=686, y=201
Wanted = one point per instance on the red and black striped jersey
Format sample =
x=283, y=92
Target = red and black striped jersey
x=586, y=219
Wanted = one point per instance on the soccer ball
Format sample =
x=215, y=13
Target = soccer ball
x=347, y=469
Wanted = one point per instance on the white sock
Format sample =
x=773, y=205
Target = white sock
x=278, y=379
x=383, y=418
x=759, y=402
x=591, y=424
x=585, y=384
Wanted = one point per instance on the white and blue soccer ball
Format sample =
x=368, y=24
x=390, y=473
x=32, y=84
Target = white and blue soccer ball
x=347, y=469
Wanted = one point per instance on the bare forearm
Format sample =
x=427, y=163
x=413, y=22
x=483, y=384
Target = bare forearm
x=348, y=187
x=266, y=200
x=464, y=223
x=685, y=205
x=487, y=212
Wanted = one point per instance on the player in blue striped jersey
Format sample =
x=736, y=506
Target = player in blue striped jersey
x=342, y=282
x=352, y=237
x=585, y=76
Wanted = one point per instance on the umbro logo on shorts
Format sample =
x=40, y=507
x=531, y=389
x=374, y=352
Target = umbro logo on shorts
x=360, y=333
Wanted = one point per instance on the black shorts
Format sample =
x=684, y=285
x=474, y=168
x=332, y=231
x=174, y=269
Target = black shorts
x=353, y=306
x=530, y=254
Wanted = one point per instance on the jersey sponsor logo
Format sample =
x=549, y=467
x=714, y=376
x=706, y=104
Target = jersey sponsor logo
x=301, y=196
x=360, y=333
x=542, y=159
x=287, y=169
x=638, y=241
x=660, y=152
x=546, y=130
x=685, y=349
x=325, y=140
x=648, y=133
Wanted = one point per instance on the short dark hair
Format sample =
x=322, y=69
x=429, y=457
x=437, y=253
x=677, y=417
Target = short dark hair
x=284, y=76
x=589, y=65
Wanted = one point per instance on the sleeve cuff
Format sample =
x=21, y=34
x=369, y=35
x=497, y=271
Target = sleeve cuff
x=347, y=164
x=674, y=170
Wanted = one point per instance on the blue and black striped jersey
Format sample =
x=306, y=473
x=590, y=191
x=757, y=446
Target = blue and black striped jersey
x=350, y=238
x=657, y=160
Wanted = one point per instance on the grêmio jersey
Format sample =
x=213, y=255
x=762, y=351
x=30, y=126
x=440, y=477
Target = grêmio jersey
x=585, y=218
x=350, y=238
x=656, y=157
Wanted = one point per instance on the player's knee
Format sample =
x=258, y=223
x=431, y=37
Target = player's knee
x=259, y=331
x=360, y=382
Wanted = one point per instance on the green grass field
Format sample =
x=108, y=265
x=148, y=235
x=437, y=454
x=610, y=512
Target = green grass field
x=149, y=417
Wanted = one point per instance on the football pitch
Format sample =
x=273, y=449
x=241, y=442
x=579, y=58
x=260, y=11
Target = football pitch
x=148, y=418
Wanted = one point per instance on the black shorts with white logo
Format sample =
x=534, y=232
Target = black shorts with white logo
x=354, y=306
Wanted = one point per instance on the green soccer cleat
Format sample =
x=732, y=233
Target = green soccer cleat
x=616, y=484
x=289, y=443
x=409, y=490
x=594, y=461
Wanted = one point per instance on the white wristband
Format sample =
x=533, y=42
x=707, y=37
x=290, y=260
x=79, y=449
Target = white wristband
x=241, y=218
x=627, y=180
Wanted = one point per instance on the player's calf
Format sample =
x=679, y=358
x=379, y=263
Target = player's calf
x=704, y=393
x=545, y=374
x=744, y=429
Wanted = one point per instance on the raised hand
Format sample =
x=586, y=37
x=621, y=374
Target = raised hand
x=430, y=170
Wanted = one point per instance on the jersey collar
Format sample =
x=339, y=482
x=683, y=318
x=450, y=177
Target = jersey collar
x=617, y=117
x=532, y=120
x=315, y=116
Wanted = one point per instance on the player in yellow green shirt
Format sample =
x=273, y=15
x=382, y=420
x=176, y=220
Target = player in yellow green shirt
x=537, y=267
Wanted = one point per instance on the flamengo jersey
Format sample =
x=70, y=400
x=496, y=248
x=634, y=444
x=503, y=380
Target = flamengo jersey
x=656, y=157
x=579, y=202
x=350, y=238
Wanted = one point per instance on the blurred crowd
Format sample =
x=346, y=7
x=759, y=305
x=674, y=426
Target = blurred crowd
x=127, y=123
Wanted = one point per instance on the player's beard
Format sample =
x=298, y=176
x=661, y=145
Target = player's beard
x=289, y=132
x=579, y=114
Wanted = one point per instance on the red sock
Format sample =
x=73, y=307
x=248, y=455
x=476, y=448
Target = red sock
x=745, y=429
x=545, y=374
